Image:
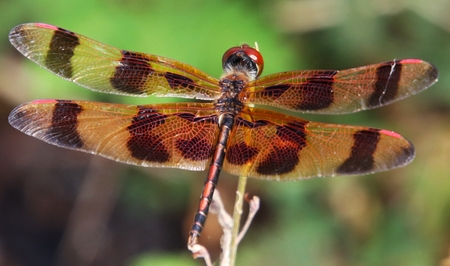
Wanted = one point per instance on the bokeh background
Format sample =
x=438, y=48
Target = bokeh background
x=60, y=207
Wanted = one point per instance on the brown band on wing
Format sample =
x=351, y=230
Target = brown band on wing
x=241, y=153
x=315, y=93
x=61, y=50
x=196, y=148
x=132, y=73
x=361, y=159
x=63, y=129
x=143, y=144
x=274, y=92
x=386, y=86
x=176, y=81
x=285, y=155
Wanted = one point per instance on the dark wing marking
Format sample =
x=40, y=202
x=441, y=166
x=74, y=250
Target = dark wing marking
x=346, y=91
x=103, y=68
x=170, y=135
x=269, y=145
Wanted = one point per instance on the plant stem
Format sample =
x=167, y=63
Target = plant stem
x=237, y=213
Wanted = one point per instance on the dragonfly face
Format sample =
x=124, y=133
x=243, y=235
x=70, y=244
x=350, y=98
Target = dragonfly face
x=243, y=59
x=226, y=133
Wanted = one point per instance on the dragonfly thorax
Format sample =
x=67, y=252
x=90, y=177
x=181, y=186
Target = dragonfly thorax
x=231, y=87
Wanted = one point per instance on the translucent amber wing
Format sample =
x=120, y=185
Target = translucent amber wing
x=103, y=68
x=270, y=145
x=171, y=135
x=346, y=91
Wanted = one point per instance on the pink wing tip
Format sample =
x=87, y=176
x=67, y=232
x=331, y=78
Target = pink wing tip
x=411, y=61
x=391, y=134
x=44, y=101
x=43, y=25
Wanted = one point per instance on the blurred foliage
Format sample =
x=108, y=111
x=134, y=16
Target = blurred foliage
x=171, y=259
x=401, y=217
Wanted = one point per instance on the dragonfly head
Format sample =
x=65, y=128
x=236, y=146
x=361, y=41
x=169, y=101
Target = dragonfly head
x=243, y=59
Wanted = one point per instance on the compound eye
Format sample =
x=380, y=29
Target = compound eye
x=230, y=52
x=250, y=52
x=256, y=57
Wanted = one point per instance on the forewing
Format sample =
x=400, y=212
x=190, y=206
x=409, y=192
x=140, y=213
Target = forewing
x=170, y=135
x=103, y=68
x=346, y=91
x=269, y=145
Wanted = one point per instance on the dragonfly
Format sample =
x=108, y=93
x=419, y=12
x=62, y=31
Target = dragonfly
x=228, y=129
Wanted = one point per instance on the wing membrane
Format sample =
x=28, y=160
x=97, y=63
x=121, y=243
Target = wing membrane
x=103, y=68
x=169, y=135
x=346, y=91
x=270, y=145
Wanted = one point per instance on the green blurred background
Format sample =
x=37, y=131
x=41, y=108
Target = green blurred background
x=60, y=207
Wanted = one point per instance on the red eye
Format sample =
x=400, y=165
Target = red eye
x=252, y=53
